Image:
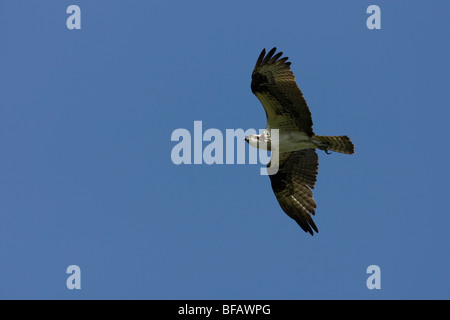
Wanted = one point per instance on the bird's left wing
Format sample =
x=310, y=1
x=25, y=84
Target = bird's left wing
x=293, y=184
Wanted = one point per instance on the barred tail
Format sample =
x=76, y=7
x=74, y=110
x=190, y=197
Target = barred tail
x=340, y=144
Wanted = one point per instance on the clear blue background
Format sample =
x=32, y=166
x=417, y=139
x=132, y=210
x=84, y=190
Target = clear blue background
x=86, y=176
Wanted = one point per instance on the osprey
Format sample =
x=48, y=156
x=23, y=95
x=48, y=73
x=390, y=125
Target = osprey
x=274, y=85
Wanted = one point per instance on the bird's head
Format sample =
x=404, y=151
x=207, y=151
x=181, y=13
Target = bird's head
x=252, y=140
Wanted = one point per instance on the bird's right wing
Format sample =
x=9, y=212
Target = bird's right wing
x=274, y=85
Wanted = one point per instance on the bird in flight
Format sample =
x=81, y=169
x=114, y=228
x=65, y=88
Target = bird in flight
x=297, y=162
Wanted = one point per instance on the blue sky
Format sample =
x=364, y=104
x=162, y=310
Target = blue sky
x=86, y=176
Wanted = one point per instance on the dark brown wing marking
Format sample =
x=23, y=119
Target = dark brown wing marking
x=274, y=85
x=293, y=184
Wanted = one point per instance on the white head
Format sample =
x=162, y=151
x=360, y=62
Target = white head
x=258, y=141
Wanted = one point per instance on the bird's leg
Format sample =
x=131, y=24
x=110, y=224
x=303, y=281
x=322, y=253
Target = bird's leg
x=324, y=147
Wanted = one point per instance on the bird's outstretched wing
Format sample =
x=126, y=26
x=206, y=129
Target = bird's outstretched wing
x=293, y=184
x=274, y=85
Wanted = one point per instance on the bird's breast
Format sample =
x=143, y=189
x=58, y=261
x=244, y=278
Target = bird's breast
x=292, y=141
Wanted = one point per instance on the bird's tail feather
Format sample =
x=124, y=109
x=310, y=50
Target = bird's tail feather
x=340, y=144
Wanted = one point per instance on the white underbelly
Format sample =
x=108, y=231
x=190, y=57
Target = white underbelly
x=293, y=141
